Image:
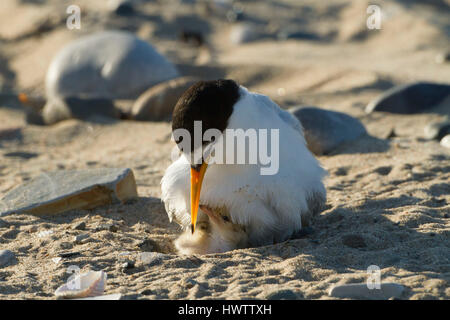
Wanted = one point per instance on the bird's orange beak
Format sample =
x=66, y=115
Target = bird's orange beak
x=196, y=186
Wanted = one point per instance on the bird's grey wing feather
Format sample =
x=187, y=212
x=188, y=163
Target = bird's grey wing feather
x=286, y=116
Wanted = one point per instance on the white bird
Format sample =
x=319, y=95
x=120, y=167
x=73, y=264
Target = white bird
x=239, y=207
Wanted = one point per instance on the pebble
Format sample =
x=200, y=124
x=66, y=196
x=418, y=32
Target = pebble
x=66, y=245
x=283, y=294
x=325, y=130
x=21, y=154
x=80, y=226
x=121, y=7
x=107, y=226
x=86, y=189
x=58, y=109
x=151, y=258
x=127, y=266
x=410, y=98
x=361, y=291
x=79, y=238
x=443, y=57
x=294, y=33
x=3, y=224
x=157, y=103
x=148, y=245
x=7, y=258
x=244, y=33
x=68, y=254
x=107, y=64
x=437, y=130
x=445, y=142
x=45, y=233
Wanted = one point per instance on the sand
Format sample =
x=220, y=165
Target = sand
x=388, y=198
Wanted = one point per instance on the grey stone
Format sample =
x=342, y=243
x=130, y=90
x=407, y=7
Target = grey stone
x=21, y=154
x=121, y=7
x=245, y=33
x=283, y=294
x=108, y=64
x=107, y=226
x=361, y=291
x=80, y=238
x=60, y=191
x=437, y=130
x=325, y=130
x=58, y=109
x=157, y=103
x=7, y=258
x=445, y=142
x=410, y=98
x=148, y=245
x=151, y=258
x=443, y=57
x=3, y=224
x=80, y=226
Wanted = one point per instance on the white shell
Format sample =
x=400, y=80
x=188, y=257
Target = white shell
x=89, y=284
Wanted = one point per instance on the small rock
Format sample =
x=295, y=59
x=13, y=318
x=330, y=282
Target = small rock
x=7, y=258
x=147, y=292
x=294, y=33
x=80, y=226
x=107, y=226
x=157, y=103
x=3, y=224
x=443, y=57
x=68, y=254
x=60, y=191
x=79, y=238
x=45, y=233
x=151, y=258
x=361, y=291
x=21, y=154
x=437, y=130
x=284, y=294
x=194, y=38
x=445, y=142
x=66, y=245
x=56, y=260
x=58, y=109
x=354, y=241
x=244, y=33
x=410, y=98
x=148, y=245
x=325, y=130
x=126, y=266
x=121, y=7
x=189, y=283
x=32, y=229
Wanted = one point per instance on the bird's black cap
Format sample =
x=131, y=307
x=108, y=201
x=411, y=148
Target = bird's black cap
x=208, y=101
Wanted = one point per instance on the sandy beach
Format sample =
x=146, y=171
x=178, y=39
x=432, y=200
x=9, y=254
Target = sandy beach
x=388, y=193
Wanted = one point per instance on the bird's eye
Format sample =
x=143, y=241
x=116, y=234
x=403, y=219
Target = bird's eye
x=226, y=219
